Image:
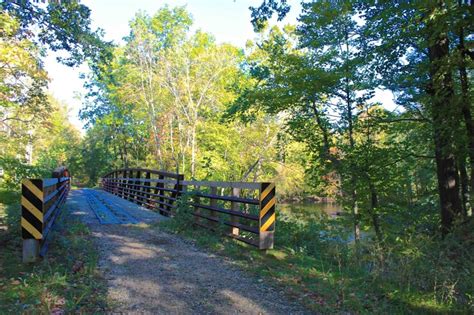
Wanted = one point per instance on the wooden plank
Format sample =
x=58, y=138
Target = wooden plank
x=129, y=184
x=177, y=187
x=138, y=187
x=54, y=192
x=163, y=173
x=147, y=184
x=238, y=237
x=47, y=182
x=197, y=209
x=241, y=185
x=212, y=203
x=237, y=213
x=235, y=207
x=214, y=220
x=133, y=193
x=162, y=188
x=143, y=180
x=229, y=198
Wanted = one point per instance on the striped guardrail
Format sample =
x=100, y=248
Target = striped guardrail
x=41, y=200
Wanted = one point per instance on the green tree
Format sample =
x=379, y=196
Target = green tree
x=60, y=26
x=418, y=63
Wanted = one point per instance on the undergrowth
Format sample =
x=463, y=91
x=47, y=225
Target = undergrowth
x=413, y=274
x=65, y=281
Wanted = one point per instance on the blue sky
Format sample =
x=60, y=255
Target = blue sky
x=227, y=20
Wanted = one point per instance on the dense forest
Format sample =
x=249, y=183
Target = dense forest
x=295, y=106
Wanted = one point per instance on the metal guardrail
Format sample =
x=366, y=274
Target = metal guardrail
x=41, y=200
x=246, y=209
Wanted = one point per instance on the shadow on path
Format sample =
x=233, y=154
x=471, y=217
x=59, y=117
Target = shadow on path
x=148, y=270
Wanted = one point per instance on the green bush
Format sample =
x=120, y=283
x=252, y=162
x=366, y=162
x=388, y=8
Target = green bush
x=14, y=171
x=183, y=218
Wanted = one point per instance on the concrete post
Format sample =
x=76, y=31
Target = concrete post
x=30, y=250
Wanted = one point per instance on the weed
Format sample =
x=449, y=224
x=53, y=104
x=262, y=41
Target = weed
x=316, y=264
x=66, y=280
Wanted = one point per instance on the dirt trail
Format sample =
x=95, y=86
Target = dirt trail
x=150, y=271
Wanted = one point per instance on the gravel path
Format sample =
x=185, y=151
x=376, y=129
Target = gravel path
x=153, y=272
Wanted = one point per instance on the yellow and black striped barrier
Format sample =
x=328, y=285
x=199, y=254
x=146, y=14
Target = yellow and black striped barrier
x=32, y=209
x=267, y=215
x=41, y=200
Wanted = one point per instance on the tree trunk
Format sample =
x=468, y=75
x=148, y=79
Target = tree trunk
x=464, y=187
x=193, y=151
x=374, y=204
x=445, y=119
x=466, y=112
x=354, y=206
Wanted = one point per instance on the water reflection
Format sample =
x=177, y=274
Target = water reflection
x=305, y=212
x=310, y=210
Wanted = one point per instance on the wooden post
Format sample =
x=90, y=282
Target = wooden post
x=197, y=210
x=137, y=189
x=147, y=189
x=124, y=184
x=115, y=184
x=161, y=192
x=130, y=185
x=235, y=207
x=176, y=193
x=213, y=203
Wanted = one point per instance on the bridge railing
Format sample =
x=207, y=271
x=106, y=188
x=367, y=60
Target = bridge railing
x=246, y=209
x=41, y=200
x=149, y=188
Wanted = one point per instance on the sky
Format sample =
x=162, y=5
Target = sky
x=227, y=20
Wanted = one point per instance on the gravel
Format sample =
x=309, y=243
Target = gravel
x=153, y=272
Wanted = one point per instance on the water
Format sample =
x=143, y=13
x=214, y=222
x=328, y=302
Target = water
x=309, y=210
x=305, y=212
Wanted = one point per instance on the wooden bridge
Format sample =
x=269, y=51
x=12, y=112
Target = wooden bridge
x=146, y=268
x=242, y=210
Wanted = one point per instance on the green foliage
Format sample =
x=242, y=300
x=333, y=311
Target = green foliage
x=15, y=171
x=61, y=26
x=296, y=108
x=182, y=219
x=35, y=135
x=66, y=280
x=52, y=143
x=23, y=103
x=317, y=264
x=162, y=102
x=266, y=10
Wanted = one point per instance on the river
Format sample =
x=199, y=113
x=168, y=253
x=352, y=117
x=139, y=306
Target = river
x=309, y=210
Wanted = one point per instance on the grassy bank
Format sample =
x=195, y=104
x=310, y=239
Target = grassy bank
x=416, y=274
x=66, y=280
